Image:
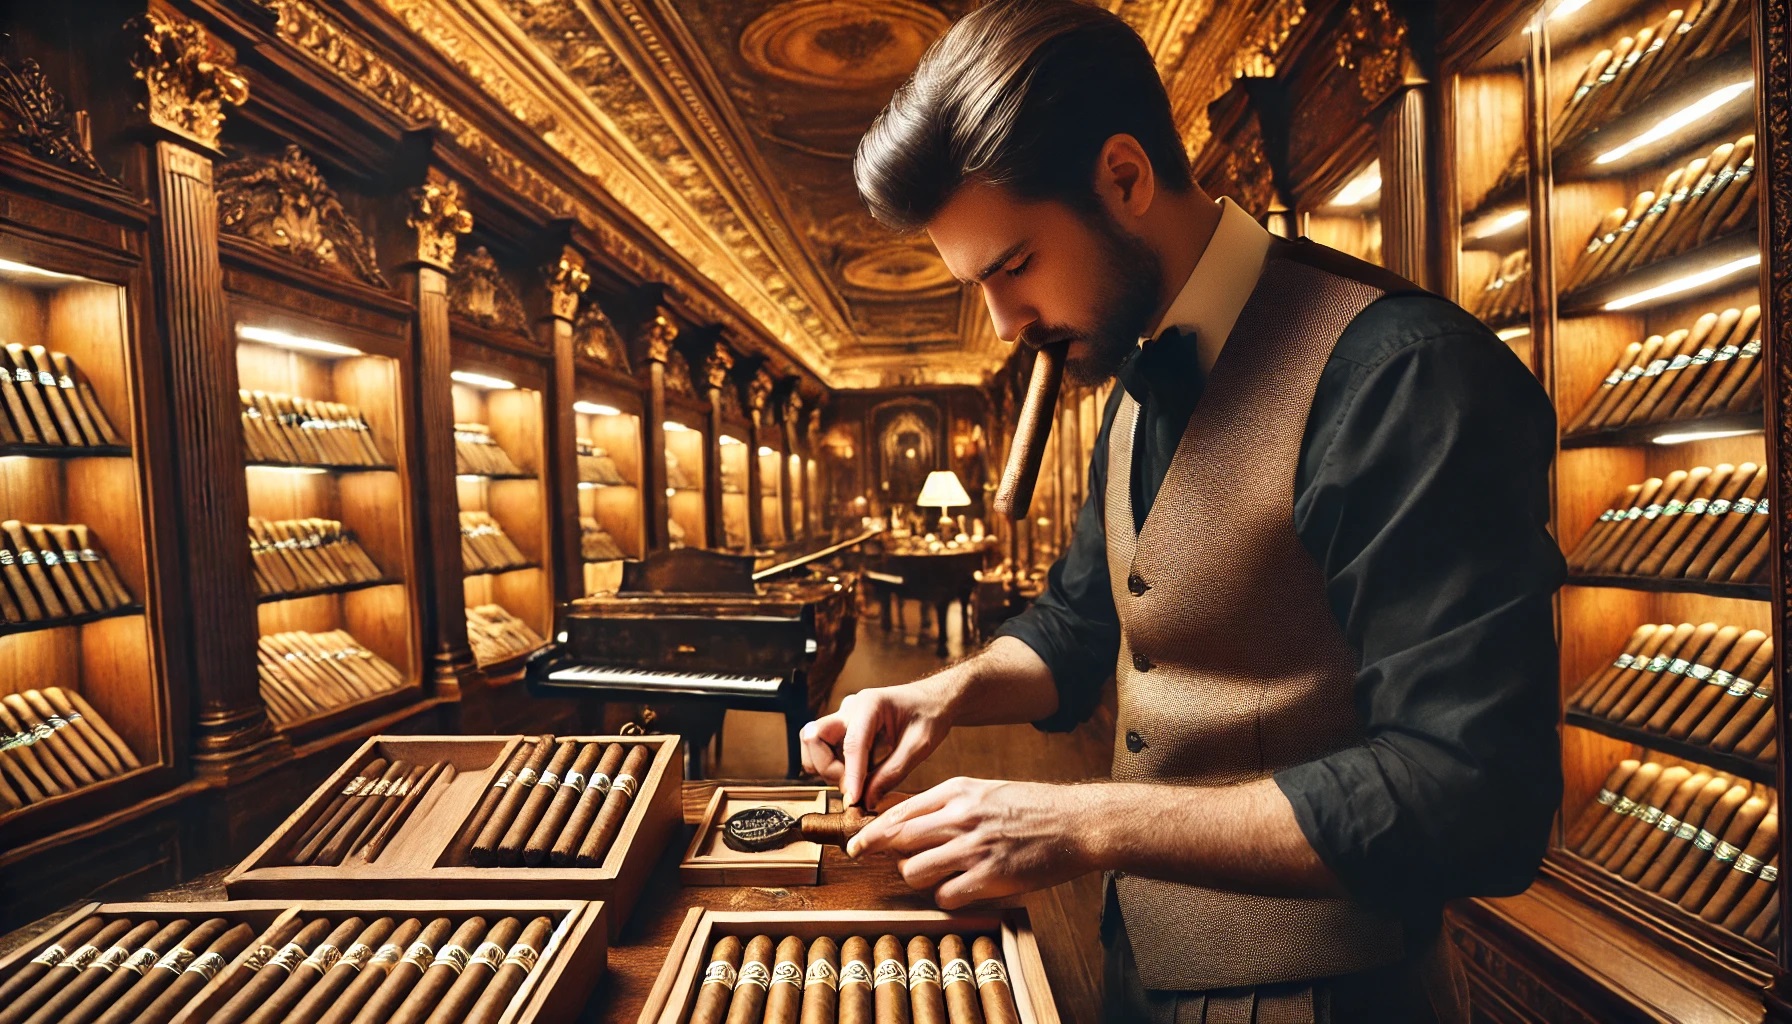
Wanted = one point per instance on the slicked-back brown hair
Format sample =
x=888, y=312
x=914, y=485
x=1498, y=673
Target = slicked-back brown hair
x=1021, y=94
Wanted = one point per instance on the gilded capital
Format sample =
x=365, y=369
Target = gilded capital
x=188, y=75
x=567, y=281
x=717, y=365
x=657, y=335
x=759, y=391
x=439, y=220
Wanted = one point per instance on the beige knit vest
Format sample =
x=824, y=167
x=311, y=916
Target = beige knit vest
x=1231, y=665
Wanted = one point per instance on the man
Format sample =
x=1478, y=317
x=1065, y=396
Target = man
x=1314, y=557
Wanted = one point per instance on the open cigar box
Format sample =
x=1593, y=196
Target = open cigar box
x=422, y=859
x=710, y=861
x=674, y=992
x=560, y=977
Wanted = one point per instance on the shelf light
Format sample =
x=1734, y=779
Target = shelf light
x=1693, y=113
x=765, y=450
x=1567, y=7
x=296, y=342
x=726, y=440
x=290, y=470
x=586, y=485
x=480, y=380
x=1513, y=333
x=469, y=478
x=27, y=270
x=1701, y=435
x=674, y=427
x=1488, y=227
x=1684, y=284
x=593, y=409
x=1360, y=189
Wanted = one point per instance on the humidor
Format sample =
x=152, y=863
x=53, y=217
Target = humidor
x=419, y=863
x=674, y=991
x=555, y=990
x=710, y=861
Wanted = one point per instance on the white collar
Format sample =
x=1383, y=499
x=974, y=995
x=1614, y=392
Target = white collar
x=1220, y=284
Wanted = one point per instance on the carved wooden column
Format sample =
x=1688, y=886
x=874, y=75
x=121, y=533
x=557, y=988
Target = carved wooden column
x=654, y=338
x=792, y=412
x=811, y=444
x=1406, y=227
x=759, y=391
x=190, y=78
x=566, y=281
x=716, y=365
x=439, y=220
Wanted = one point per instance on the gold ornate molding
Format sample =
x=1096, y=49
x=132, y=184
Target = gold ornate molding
x=716, y=366
x=759, y=391
x=678, y=375
x=36, y=117
x=1372, y=43
x=284, y=203
x=655, y=337
x=189, y=76
x=567, y=281
x=439, y=220
x=478, y=291
x=594, y=337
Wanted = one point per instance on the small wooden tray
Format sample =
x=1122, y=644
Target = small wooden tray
x=413, y=865
x=572, y=960
x=710, y=861
x=674, y=992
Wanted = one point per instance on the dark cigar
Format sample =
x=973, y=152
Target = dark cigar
x=267, y=946
x=615, y=810
x=1033, y=428
x=154, y=981
x=517, y=964
x=992, y=983
x=127, y=975
x=959, y=982
x=272, y=974
x=338, y=810
x=58, y=953
x=197, y=975
x=450, y=963
x=535, y=806
x=342, y=973
x=307, y=973
x=597, y=788
x=371, y=977
x=554, y=821
x=889, y=982
x=463, y=843
x=452, y=1007
x=821, y=983
x=718, y=982
x=485, y=849
x=78, y=976
x=404, y=975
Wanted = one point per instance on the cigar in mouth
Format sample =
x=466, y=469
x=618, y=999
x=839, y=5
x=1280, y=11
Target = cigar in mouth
x=1033, y=428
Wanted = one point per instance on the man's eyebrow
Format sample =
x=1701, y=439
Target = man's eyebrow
x=996, y=264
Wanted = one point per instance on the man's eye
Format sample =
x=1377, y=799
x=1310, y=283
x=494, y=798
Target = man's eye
x=1016, y=270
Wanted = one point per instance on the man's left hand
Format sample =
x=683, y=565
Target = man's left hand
x=977, y=839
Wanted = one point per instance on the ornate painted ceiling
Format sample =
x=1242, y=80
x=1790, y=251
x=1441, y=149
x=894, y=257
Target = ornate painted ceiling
x=728, y=128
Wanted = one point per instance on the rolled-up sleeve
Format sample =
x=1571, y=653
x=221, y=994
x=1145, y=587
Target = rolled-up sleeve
x=1427, y=509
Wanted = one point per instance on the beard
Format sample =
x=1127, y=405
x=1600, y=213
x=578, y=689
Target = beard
x=1134, y=275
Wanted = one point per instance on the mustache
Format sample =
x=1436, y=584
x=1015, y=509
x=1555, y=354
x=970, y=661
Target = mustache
x=1035, y=338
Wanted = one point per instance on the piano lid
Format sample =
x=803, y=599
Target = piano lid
x=688, y=571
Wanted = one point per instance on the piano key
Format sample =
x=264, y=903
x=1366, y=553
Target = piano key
x=649, y=680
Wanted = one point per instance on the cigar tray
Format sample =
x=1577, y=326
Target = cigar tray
x=710, y=861
x=571, y=962
x=674, y=992
x=414, y=864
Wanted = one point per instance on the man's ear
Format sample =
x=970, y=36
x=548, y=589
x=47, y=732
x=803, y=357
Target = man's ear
x=1124, y=178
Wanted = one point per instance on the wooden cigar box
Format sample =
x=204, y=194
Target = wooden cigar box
x=710, y=861
x=571, y=962
x=674, y=992
x=414, y=865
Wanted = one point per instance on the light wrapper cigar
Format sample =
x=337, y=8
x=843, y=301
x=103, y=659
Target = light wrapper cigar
x=92, y=751
x=821, y=983
x=127, y=975
x=1673, y=871
x=1647, y=826
x=959, y=982
x=1615, y=783
x=59, y=953
x=1642, y=683
x=857, y=1005
x=330, y=847
x=1619, y=808
x=337, y=810
x=1752, y=704
x=753, y=984
x=719, y=977
x=993, y=988
x=197, y=975
x=590, y=802
x=784, y=1000
x=338, y=976
x=1743, y=869
x=889, y=982
x=1709, y=642
x=164, y=973
x=1706, y=713
x=388, y=805
x=439, y=776
x=604, y=830
x=485, y=849
x=1032, y=429
x=1597, y=683
x=404, y=975
x=1648, y=808
x=318, y=962
x=1692, y=803
x=272, y=974
x=372, y=976
x=1598, y=398
x=1762, y=885
x=925, y=995
x=1702, y=871
x=519, y=960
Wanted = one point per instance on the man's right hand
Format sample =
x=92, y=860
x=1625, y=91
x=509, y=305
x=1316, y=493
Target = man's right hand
x=909, y=721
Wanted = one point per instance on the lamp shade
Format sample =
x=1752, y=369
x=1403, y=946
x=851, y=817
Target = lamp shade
x=942, y=490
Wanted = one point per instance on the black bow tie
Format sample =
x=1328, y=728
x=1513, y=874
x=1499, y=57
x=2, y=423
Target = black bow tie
x=1167, y=363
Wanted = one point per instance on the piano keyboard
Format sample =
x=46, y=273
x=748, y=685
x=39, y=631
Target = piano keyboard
x=642, y=679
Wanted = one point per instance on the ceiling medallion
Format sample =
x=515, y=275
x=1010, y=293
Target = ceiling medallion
x=897, y=269
x=851, y=44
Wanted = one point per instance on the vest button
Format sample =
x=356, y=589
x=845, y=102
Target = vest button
x=1134, y=742
x=1140, y=662
x=1137, y=584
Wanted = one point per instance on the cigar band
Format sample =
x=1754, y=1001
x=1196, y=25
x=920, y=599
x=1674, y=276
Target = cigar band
x=526, y=777
x=1721, y=678
x=1725, y=852
x=548, y=781
x=177, y=960
x=522, y=956
x=1770, y=872
x=356, y=956
x=381, y=788
x=51, y=956
x=1705, y=841
x=65, y=382
x=1747, y=865
x=1679, y=362
x=720, y=972
x=1607, y=798
x=420, y=954
x=207, y=966
x=1624, y=806
x=22, y=375
x=452, y=957
x=1762, y=693
x=991, y=971
x=1661, y=661
x=1718, y=506
x=1686, y=831
x=72, y=717
x=957, y=970
x=1608, y=515
x=855, y=972
x=1613, y=377
x=292, y=955
x=788, y=972
x=1761, y=507
x=1623, y=661
x=1726, y=353
x=259, y=959
x=387, y=956
x=600, y=783
x=573, y=781
x=1646, y=814
x=140, y=961
x=1743, y=506
x=6, y=556
x=504, y=780
x=1668, y=823
x=822, y=973
x=1651, y=511
x=755, y=973
x=489, y=954
x=82, y=958
x=1673, y=508
x=923, y=971
x=1701, y=672
x=1634, y=512
x=323, y=958
x=1704, y=356
x=1750, y=350
x=1739, y=688
x=51, y=557
x=1655, y=368
x=626, y=784
x=27, y=556
x=1633, y=373
x=1696, y=507
x=890, y=971
x=1679, y=666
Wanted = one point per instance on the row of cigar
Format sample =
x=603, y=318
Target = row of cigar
x=372, y=807
x=595, y=543
x=1707, y=198
x=1635, y=66
x=1712, y=367
x=595, y=465
x=52, y=571
x=1507, y=294
x=306, y=432
x=49, y=401
x=1705, y=523
x=307, y=674
x=559, y=804
x=320, y=971
x=477, y=452
x=52, y=742
x=1692, y=836
x=495, y=634
x=485, y=547
x=1707, y=684
x=294, y=556
x=822, y=982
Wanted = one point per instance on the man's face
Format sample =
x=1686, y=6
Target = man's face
x=1050, y=273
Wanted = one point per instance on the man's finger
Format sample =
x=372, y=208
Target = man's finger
x=896, y=767
x=930, y=867
x=876, y=835
x=819, y=754
x=855, y=751
x=968, y=887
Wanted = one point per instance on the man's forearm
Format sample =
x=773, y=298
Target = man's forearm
x=1006, y=683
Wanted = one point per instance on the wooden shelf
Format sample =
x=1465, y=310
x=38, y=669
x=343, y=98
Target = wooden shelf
x=519, y=567
x=1725, y=249
x=1645, y=433
x=67, y=451
x=338, y=588
x=499, y=476
x=13, y=628
x=328, y=468
x=1765, y=772
x=1657, y=585
x=1576, y=157
x=1689, y=930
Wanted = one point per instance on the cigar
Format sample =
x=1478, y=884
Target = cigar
x=1601, y=73
x=50, y=776
x=517, y=963
x=13, y=566
x=450, y=963
x=553, y=821
x=306, y=975
x=1734, y=327
x=1674, y=535
x=1646, y=676
x=1649, y=828
x=404, y=975
x=718, y=982
x=615, y=810
x=926, y=998
x=386, y=806
x=323, y=992
x=69, y=770
x=272, y=973
x=1742, y=370
x=164, y=973
x=90, y=751
x=1646, y=812
x=1619, y=395
x=784, y=999
x=1659, y=377
x=452, y=1007
x=992, y=983
x=88, y=403
x=1757, y=741
x=856, y=1001
x=21, y=423
x=1766, y=922
x=584, y=813
x=1603, y=394
x=1747, y=549
x=1590, y=556
x=1728, y=527
x=68, y=983
x=440, y=774
x=367, y=808
x=1743, y=869
x=754, y=983
x=1640, y=529
x=890, y=982
x=1708, y=813
x=1709, y=332
x=25, y=377
x=535, y=805
x=1597, y=683
x=1761, y=887
x=485, y=848
x=1705, y=525
x=1636, y=788
x=35, y=573
x=127, y=975
x=1660, y=519
x=821, y=983
x=1033, y=428
x=1700, y=874
x=197, y=975
x=371, y=977
x=1717, y=678
x=83, y=936
x=1705, y=643
x=959, y=982
x=340, y=808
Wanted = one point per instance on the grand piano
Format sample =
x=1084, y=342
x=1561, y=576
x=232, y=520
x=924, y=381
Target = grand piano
x=695, y=633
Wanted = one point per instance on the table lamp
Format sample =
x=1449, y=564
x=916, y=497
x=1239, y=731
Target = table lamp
x=943, y=489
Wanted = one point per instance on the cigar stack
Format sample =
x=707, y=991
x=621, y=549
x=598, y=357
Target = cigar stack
x=1691, y=836
x=120, y=970
x=306, y=674
x=362, y=819
x=1707, y=684
x=1712, y=367
x=855, y=981
x=1635, y=66
x=485, y=547
x=595, y=465
x=595, y=543
x=477, y=452
x=53, y=571
x=48, y=401
x=295, y=556
x=1705, y=523
x=1507, y=294
x=556, y=803
x=299, y=431
x=496, y=634
x=1709, y=197
x=52, y=742
x=676, y=477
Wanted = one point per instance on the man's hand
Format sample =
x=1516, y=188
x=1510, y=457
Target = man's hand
x=908, y=720
x=974, y=839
